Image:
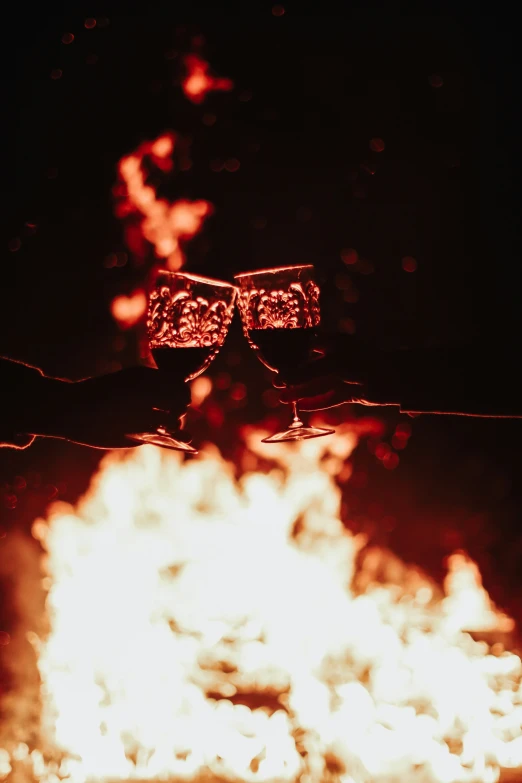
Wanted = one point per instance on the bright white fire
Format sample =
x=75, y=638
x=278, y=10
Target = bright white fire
x=207, y=627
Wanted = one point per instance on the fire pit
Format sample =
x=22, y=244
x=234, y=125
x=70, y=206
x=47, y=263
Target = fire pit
x=202, y=626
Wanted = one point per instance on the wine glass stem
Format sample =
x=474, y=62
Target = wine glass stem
x=164, y=430
x=296, y=421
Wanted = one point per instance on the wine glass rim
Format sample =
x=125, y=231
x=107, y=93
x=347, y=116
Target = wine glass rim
x=272, y=270
x=196, y=278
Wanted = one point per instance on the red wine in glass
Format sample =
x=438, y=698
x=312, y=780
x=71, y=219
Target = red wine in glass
x=187, y=322
x=282, y=349
x=279, y=308
x=185, y=362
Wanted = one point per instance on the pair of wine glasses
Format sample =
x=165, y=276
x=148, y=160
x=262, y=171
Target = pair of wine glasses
x=189, y=317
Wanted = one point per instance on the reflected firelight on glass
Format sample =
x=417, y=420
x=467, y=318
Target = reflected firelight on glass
x=208, y=623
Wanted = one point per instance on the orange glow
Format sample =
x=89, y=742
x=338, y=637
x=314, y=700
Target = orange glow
x=127, y=311
x=199, y=82
x=208, y=627
x=162, y=223
x=200, y=390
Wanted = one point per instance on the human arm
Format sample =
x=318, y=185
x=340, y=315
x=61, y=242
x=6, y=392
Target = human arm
x=478, y=379
x=97, y=412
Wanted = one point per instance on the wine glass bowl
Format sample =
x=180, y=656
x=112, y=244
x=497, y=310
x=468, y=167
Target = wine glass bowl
x=280, y=312
x=187, y=323
x=191, y=313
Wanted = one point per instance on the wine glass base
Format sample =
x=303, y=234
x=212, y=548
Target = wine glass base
x=165, y=441
x=298, y=433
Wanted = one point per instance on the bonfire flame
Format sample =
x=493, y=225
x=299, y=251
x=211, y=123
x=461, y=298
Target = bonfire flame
x=165, y=225
x=205, y=627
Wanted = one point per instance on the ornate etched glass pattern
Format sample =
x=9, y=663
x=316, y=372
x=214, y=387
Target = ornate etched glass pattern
x=182, y=319
x=279, y=308
x=295, y=306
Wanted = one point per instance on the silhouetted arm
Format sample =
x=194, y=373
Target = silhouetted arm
x=22, y=388
x=97, y=412
x=467, y=380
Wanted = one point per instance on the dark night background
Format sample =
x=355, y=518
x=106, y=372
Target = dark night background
x=445, y=190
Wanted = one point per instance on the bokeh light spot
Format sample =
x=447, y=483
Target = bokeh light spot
x=232, y=164
x=382, y=450
x=14, y=244
x=222, y=381
x=391, y=461
x=238, y=392
x=199, y=390
x=90, y=23
x=365, y=267
x=349, y=256
x=67, y=38
x=409, y=264
x=347, y=326
x=403, y=429
x=377, y=145
x=278, y=10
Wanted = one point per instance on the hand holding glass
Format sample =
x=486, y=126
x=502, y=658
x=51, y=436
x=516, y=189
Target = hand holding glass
x=188, y=320
x=280, y=311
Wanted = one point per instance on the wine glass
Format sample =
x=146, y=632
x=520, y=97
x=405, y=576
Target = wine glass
x=279, y=309
x=187, y=322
